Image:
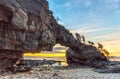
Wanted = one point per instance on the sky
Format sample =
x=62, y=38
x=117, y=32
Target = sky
x=97, y=20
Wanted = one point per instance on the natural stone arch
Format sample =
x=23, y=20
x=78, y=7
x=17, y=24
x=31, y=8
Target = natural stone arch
x=34, y=29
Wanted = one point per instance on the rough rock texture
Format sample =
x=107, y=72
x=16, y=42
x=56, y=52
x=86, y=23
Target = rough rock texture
x=89, y=56
x=112, y=67
x=29, y=25
x=9, y=59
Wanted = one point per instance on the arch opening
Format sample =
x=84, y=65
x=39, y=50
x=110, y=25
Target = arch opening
x=56, y=57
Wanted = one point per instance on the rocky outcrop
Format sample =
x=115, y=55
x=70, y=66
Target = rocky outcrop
x=112, y=67
x=29, y=26
x=9, y=59
x=89, y=56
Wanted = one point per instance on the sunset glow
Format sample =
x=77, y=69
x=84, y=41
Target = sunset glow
x=113, y=47
x=45, y=54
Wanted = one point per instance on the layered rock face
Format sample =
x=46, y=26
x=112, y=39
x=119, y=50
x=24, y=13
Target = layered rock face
x=29, y=26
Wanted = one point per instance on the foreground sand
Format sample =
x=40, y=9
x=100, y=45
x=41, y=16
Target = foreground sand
x=62, y=73
x=79, y=73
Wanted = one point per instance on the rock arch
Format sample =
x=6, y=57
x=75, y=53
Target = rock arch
x=34, y=29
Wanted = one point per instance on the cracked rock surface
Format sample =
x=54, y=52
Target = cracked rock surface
x=29, y=26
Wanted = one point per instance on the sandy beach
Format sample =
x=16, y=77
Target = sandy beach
x=78, y=73
x=61, y=72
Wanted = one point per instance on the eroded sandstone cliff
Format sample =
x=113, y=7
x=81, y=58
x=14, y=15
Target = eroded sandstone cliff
x=29, y=26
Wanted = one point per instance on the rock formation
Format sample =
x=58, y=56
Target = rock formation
x=90, y=56
x=29, y=26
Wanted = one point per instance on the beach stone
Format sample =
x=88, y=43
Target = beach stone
x=55, y=74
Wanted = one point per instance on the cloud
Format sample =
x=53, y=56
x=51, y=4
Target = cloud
x=106, y=37
x=112, y=41
x=84, y=3
x=87, y=28
x=118, y=12
x=97, y=32
x=67, y=4
x=112, y=4
x=87, y=3
x=59, y=48
x=78, y=3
